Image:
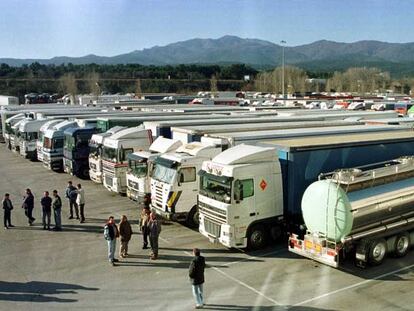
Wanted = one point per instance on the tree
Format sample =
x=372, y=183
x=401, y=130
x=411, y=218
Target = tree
x=68, y=84
x=138, y=90
x=213, y=85
x=93, y=83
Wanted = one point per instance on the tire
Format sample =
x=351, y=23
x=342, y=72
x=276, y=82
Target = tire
x=402, y=244
x=257, y=238
x=377, y=251
x=193, y=220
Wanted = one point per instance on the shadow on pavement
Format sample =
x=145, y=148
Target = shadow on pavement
x=39, y=291
x=260, y=308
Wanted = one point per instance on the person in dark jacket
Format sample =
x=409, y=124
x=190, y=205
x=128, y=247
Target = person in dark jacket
x=57, y=211
x=7, y=206
x=196, y=274
x=71, y=194
x=154, y=230
x=46, y=203
x=125, y=233
x=143, y=225
x=111, y=233
x=28, y=205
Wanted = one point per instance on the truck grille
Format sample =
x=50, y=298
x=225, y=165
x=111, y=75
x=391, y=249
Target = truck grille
x=92, y=166
x=214, y=213
x=109, y=180
x=133, y=184
x=212, y=228
x=158, y=196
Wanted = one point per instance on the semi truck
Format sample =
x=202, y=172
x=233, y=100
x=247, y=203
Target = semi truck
x=141, y=164
x=250, y=195
x=95, y=153
x=361, y=213
x=53, y=142
x=174, y=181
x=27, y=136
x=115, y=155
x=9, y=100
x=40, y=141
x=76, y=150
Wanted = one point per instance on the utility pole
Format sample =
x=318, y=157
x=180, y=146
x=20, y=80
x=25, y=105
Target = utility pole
x=283, y=42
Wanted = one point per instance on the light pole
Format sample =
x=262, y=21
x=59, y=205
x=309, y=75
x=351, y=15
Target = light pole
x=283, y=42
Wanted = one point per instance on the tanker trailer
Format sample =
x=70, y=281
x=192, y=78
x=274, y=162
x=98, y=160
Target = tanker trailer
x=363, y=213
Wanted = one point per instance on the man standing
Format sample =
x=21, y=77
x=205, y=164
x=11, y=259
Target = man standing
x=154, y=229
x=71, y=194
x=111, y=233
x=143, y=225
x=7, y=206
x=80, y=202
x=28, y=205
x=57, y=211
x=46, y=203
x=196, y=274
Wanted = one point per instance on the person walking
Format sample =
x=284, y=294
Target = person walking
x=57, y=211
x=71, y=193
x=111, y=233
x=196, y=274
x=154, y=229
x=28, y=205
x=143, y=225
x=7, y=206
x=80, y=202
x=46, y=203
x=125, y=233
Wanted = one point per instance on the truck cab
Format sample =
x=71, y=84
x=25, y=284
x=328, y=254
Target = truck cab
x=53, y=142
x=28, y=134
x=241, y=196
x=40, y=140
x=141, y=165
x=95, y=153
x=115, y=155
x=8, y=127
x=14, y=135
x=174, y=181
x=76, y=150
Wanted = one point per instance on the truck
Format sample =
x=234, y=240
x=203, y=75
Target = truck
x=8, y=127
x=9, y=100
x=251, y=195
x=40, y=141
x=76, y=150
x=362, y=213
x=174, y=181
x=27, y=136
x=115, y=155
x=53, y=142
x=95, y=153
x=141, y=164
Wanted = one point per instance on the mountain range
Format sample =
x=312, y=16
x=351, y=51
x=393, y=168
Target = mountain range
x=321, y=55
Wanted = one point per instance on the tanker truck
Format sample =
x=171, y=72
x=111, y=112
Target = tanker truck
x=361, y=213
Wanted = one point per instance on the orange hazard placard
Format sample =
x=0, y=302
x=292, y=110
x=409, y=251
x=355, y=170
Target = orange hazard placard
x=263, y=184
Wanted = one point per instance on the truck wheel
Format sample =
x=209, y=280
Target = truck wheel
x=402, y=244
x=193, y=220
x=85, y=172
x=257, y=238
x=377, y=251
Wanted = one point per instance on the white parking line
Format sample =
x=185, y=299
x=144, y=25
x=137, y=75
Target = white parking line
x=353, y=285
x=254, y=257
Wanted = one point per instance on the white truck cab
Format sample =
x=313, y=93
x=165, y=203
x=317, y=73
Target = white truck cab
x=141, y=165
x=39, y=142
x=114, y=155
x=238, y=189
x=174, y=181
x=28, y=133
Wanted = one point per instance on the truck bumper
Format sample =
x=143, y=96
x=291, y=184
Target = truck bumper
x=95, y=177
x=169, y=215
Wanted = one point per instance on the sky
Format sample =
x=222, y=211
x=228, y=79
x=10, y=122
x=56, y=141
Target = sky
x=47, y=28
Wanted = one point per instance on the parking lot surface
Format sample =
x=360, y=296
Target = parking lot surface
x=69, y=270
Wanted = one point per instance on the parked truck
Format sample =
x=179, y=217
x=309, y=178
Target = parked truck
x=9, y=100
x=141, y=165
x=115, y=155
x=40, y=141
x=361, y=213
x=95, y=153
x=76, y=150
x=27, y=136
x=251, y=194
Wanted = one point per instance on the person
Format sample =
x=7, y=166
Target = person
x=46, y=203
x=28, y=205
x=57, y=211
x=71, y=194
x=7, y=206
x=125, y=233
x=143, y=225
x=80, y=202
x=154, y=230
x=111, y=233
x=196, y=274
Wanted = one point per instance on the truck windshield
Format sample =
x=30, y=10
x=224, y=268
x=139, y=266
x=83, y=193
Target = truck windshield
x=94, y=148
x=69, y=142
x=110, y=154
x=216, y=187
x=29, y=136
x=138, y=168
x=9, y=129
x=164, y=174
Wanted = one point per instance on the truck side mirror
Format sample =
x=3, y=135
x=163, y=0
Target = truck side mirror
x=238, y=191
x=180, y=178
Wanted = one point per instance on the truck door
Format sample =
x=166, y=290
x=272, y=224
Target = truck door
x=245, y=196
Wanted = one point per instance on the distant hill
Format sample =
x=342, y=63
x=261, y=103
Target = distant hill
x=317, y=56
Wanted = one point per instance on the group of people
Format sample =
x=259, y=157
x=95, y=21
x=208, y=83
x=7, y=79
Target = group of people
x=75, y=195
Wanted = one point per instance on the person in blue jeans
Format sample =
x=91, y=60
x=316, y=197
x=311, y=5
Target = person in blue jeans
x=57, y=211
x=111, y=233
x=196, y=274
